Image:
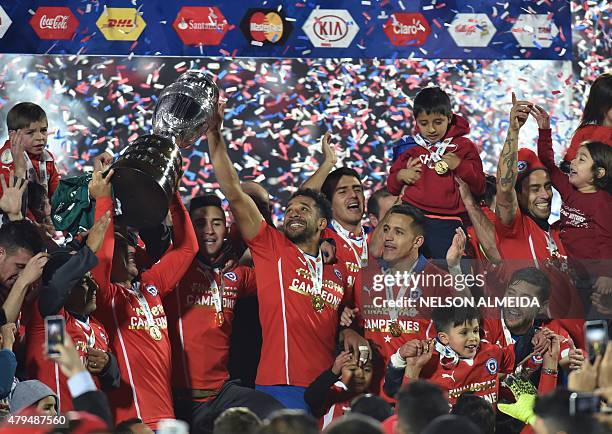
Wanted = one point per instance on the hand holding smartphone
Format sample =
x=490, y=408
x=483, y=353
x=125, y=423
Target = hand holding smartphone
x=55, y=331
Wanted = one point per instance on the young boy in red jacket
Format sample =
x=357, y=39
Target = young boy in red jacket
x=428, y=163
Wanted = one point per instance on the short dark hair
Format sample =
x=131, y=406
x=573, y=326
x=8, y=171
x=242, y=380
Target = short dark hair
x=321, y=202
x=452, y=423
x=36, y=200
x=373, y=201
x=476, y=409
x=236, y=420
x=331, y=182
x=535, y=277
x=207, y=199
x=490, y=191
x=23, y=114
x=355, y=424
x=372, y=406
x=418, y=218
x=602, y=158
x=554, y=410
x=432, y=100
x=289, y=422
x=125, y=426
x=21, y=234
x=445, y=318
x=419, y=403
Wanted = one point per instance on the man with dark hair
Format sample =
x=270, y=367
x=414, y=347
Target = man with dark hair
x=133, y=426
x=523, y=207
x=401, y=234
x=298, y=295
x=452, y=423
x=237, y=420
x=419, y=403
x=553, y=416
x=378, y=204
x=289, y=422
x=476, y=409
x=354, y=423
x=21, y=264
x=372, y=406
x=200, y=315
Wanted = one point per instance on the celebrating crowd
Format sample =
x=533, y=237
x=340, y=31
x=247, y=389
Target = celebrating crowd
x=353, y=317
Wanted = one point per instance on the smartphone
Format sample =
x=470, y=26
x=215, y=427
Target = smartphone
x=55, y=330
x=584, y=403
x=596, y=337
x=364, y=354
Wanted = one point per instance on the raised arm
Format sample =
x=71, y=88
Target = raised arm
x=507, y=169
x=243, y=208
x=315, y=182
x=174, y=263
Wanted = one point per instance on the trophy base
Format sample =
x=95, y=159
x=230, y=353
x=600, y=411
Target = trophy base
x=144, y=203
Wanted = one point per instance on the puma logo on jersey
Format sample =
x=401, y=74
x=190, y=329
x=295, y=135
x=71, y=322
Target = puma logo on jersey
x=451, y=376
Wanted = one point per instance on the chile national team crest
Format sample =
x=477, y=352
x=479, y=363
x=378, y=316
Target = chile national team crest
x=491, y=366
x=338, y=273
x=231, y=276
x=151, y=289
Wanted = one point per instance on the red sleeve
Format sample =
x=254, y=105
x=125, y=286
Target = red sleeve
x=394, y=186
x=249, y=284
x=512, y=231
x=266, y=241
x=507, y=359
x=548, y=383
x=101, y=273
x=547, y=156
x=176, y=261
x=603, y=226
x=470, y=168
x=577, y=140
x=54, y=178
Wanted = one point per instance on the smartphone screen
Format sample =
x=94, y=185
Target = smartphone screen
x=596, y=336
x=55, y=328
x=584, y=403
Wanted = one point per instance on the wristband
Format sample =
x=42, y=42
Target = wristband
x=549, y=371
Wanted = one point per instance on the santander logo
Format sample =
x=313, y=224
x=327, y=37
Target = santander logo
x=54, y=22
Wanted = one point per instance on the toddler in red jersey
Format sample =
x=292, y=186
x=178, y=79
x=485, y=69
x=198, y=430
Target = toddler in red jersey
x=456, y=360
x=585, y=224
x=425, y=172
x=330, y=394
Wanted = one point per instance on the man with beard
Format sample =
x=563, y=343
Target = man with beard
x=523, y=206
x=298, y=295
x=130, y=307
x=201, y=315
x=517, y=324
x=69, y=291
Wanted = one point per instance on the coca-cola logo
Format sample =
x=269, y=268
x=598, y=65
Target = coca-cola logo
x=54, y=22
x=57, y=22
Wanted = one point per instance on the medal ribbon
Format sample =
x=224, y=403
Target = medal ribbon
x=436, y=155
x=84, y=326
x=42, y=177
x=144, y=304
x=394, y=311
x=316, y=271
x=217, y=294
x=359, y=242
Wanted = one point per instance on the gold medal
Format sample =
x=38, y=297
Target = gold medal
x=219, y=318
x=395, y=329
x=155, y=333
x=317, y=303
x=441, y=167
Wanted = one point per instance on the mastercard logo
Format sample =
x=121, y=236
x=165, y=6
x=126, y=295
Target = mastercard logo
x=265, y=27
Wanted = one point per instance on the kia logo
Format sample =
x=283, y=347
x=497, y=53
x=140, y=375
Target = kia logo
x=330, y=28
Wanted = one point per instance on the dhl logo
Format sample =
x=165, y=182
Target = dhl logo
x=121, y=24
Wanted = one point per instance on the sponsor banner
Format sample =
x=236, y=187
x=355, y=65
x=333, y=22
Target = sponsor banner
x=54, y=22
x=407, y=29
x=265, y=27
x=121, y=24
x=330, y=28
x=462, y=29
x=200, y=25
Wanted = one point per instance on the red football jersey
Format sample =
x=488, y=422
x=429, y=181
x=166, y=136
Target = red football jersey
x=413, y=322
x=200, y=347
x=337, y=403
x=145, y=362
x=298, y=341
x=84, y=334
x=525, y=244
x=7, y=164
x=351, y=253
x=479, y=375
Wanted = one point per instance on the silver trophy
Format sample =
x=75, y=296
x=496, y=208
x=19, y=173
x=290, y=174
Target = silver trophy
x=149, y=169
